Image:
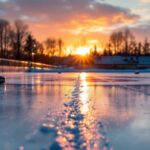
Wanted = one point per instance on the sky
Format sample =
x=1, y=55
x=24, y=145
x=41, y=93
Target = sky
x=80, y=20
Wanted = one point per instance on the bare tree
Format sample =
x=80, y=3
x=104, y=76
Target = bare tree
x=133, y=48
x=146, y=47
x=116, y=40
x=108, y=49
x=140, y=48
x=123, y=42
x=128, y=39
x=20, y=35
x=60, y=45
x=51, y=46
x=40, y=48
x=4, y=36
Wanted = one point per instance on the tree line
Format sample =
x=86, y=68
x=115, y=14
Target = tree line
x=124, y=43
x=17, y=42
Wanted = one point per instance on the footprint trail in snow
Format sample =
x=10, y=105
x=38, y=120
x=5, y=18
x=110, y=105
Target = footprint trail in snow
x=75, y=127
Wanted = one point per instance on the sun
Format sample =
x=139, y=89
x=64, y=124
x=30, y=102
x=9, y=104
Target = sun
x=82, y=51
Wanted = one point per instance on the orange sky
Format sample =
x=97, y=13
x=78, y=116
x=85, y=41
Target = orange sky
x=79, y=20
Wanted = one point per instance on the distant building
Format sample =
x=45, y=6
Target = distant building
x=122, y=61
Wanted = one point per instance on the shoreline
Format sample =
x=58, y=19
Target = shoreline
x=94, y=70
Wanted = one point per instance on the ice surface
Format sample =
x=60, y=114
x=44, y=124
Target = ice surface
x=97, y=111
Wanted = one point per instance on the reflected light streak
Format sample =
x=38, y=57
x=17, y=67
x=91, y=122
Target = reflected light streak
x=89, y=125
x=84, y=97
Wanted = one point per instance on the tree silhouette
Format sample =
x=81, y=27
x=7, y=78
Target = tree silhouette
x=128, y=40
x=20, y=34
x=60, y=45
x=40, y=48
x=51, y=46
x=122, y=43
x=146, y=47
x=116, y=40
x=30, y=46
x=4, y=36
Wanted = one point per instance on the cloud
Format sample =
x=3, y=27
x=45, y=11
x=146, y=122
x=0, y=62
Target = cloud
x=142, y=32
x=62, y=17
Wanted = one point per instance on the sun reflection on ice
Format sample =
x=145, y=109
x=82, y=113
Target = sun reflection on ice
x=88, y=126
x=76, y=126
x=84, y=96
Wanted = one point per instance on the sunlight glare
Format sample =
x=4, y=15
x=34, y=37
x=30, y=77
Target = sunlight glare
x=83, y=50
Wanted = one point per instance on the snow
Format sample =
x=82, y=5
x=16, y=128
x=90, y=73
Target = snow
x=75, y=110
x=90, y=70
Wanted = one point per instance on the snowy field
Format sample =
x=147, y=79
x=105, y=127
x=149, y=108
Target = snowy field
x=75, y=111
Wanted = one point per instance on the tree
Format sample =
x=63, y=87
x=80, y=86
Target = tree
x=146, y=47
x=60, y=45
x=20, y=35
x=128, y=38
x=30, y=46
x=139, y=48
x=116, y=40
x=108, y=50
x=133, y=48
x=51, y=46
x=123, y=42
x=4, y=36
x=40, y=48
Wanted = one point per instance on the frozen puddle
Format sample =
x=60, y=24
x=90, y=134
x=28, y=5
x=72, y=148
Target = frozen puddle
x=75, y=111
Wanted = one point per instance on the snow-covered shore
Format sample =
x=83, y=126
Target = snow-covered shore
x=94, y=70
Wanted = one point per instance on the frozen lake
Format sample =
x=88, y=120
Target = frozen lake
x=75, y=111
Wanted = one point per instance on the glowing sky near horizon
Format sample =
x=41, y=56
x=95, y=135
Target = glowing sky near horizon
x=73, y=20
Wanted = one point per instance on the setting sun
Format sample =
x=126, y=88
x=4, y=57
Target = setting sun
x=83, y=50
